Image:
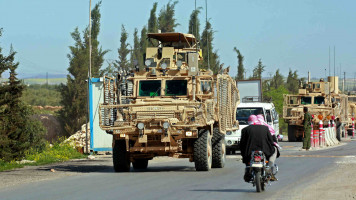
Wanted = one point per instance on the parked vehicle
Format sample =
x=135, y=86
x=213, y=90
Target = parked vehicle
x=243, y=111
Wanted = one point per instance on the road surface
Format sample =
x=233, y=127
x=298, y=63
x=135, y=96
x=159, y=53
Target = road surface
x=177, y=179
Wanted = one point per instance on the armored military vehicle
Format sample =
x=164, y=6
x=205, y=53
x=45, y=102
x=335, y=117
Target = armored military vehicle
x=169, y=107
x=351, y=112
x=323, y=101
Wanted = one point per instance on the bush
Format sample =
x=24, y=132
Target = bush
x=58, y=152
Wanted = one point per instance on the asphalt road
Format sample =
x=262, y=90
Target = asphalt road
x=177, y=179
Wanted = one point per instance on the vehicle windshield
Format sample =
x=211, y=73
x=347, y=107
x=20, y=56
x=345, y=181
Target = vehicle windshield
x=306, y=100
x=319, y=100
x=150, y=88
x=242, y=114
x=176, y=87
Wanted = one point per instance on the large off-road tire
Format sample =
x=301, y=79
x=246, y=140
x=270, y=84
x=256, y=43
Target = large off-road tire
x=291, y=133
x=203, y=151
x=121, y=157
x=219, y=149
x=258, y=181
x=140, y=163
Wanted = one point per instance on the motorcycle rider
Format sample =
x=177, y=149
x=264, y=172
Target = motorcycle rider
x=256, y=137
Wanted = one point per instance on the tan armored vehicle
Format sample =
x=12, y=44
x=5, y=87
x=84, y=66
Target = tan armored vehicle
x=351, y=112
x=169, y=108
x=323, y=101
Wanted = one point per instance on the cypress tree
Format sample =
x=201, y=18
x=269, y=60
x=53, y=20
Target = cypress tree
x=123, y=51
x=258, y=70
x=207, y=38
x=194, y=24
x=143, y=45
x=166, y=20
x=240, y=66
x=18, y=131
x=136, y=54
x=74, y=93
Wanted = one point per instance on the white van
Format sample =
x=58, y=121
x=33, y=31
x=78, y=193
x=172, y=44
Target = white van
x=244, y=110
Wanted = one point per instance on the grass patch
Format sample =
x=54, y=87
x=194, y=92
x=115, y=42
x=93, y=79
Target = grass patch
x=58, y=152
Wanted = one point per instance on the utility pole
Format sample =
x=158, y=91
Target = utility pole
x=343, y=84
x=89, y=79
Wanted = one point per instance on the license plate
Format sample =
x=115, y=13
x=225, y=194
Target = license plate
x=257, y=165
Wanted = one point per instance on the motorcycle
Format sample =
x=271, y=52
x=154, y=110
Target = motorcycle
x=260, y=172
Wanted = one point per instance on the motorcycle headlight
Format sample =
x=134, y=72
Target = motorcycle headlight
x=140, y=125
x=165, y=125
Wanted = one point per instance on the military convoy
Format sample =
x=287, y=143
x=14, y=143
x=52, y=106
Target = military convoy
x=169, y=107
x=323, y=101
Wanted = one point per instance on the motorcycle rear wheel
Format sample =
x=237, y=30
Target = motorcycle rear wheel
x=258, y=181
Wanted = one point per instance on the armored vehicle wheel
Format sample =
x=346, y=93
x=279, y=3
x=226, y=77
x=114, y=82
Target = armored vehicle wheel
x=121, y=158
x=140, y=163
x=291, y=133
x=219, y=149
x=203, y=151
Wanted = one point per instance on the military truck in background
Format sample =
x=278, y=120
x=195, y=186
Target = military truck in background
x=351, y=112
x=323, y=101
x=169, y=108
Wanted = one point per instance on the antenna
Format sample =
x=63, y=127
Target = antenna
x=207, y=34
x=329, y=62
x=334, y=70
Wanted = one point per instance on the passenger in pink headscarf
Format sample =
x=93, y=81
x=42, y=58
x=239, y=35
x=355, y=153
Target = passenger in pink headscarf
x=252, y=120
x=261, y=120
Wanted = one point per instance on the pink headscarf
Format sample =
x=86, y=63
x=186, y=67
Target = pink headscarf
x=261, y=121
x=252, y=119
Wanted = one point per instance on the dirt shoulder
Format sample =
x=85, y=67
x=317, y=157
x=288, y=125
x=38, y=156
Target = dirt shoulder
x=339, y=184
x=30, y=174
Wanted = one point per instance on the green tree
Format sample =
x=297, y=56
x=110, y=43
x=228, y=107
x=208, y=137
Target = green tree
x=194, y=23
x=136, y=53
x=143, y=46
x=277, y=80
x=74, y=93
x=276, y=95
x=123, y=63
x=207, y=38
x=166, y=20
x=18, y=131
x=152, y=26
x=240, y=66
x=292, y=82
x=258, y=70
x=152, y=21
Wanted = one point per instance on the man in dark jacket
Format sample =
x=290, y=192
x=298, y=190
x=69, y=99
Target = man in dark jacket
x=257, y=138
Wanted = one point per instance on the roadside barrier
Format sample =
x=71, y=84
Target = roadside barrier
x=353, y=129
x=316, y=138
x=320, y=133
x=312, y=136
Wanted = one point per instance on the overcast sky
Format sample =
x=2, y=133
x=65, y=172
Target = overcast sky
x=285, y=34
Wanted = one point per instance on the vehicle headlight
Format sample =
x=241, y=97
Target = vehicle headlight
x=164, y=66
x=147, y=62
x=165, y=125
x=179, y=63
x=228, y=133
x=140, y=125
